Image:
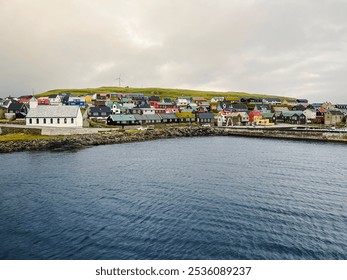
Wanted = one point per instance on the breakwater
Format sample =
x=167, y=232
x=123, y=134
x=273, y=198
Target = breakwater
x=64, y=143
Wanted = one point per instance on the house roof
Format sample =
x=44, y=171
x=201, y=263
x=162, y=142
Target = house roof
x=16, y=106
x=142, y=105
x=280, y=109
x=239, y=106
x=154, y=98
x=6, y=102
x=205, y=115
x=317, y=105
x=148, y=109
x=186, y=110
x=168, y=116
x=53, y=112
x=126, y=100
x=165, y=103
x=77, y=98
x=53, y=96
x=272, y=99
x=233, y=114
x=119, y=118
x=167, y=100
x=300, y=107
x=262, y=107
x=335, y=112
x=110, y=104
x=100, y=109
x=204, y=103
x=146, y=117
x=198, y=98
x=268, y=115
x=185, y=115
x=291, y=113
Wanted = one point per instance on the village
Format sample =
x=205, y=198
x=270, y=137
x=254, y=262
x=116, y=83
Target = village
x=114, y=109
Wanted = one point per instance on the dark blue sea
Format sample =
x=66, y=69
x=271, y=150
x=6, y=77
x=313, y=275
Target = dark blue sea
x=186, y=198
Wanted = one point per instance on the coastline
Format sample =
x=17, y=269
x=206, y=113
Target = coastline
x=75, y=142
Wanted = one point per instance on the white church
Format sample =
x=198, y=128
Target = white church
x=54, y=116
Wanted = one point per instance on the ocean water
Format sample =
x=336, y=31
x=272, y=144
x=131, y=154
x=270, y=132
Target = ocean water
x=186, y=198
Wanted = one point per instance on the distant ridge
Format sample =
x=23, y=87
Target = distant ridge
x=164, y=92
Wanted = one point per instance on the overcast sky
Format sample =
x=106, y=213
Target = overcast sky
x=290, y=47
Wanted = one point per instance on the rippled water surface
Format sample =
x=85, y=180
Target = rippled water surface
x=187, y=198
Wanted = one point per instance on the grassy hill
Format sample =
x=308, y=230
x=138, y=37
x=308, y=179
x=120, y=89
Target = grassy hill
x=163, y=92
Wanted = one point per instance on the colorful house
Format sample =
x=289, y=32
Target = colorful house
x=89, y=99
x=43, y=101
x=228, y=118
x=270, y=116
x=76, y=101
x=254, y=114
x=333, y=117
x=320, y=113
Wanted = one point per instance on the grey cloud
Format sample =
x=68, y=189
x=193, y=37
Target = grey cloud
x=294, y=48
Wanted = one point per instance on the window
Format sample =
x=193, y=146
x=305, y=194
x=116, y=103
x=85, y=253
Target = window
x=44, y=120
x=51, y=120
x=72, y=120
x=58, y=120
x=37, y=121
x=30, y=121
x=65, y=120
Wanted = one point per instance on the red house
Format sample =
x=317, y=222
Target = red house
x=252, y=114
x=43, y=101
x=25, y=99
x=320, y=113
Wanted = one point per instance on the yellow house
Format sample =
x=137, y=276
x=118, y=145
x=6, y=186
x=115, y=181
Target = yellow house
x=88, y=99
x=263, y=122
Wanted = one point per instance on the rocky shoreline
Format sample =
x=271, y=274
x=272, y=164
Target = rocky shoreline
x=75, y=142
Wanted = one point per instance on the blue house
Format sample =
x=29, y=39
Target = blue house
x=76, y=101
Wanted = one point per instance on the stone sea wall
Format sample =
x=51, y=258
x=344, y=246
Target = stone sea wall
x=74, y=142
x=64, y=143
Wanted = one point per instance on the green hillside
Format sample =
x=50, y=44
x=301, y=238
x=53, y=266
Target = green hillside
x=163, y=92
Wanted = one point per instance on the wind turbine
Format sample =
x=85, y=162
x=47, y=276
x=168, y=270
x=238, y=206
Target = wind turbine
x=119, y=80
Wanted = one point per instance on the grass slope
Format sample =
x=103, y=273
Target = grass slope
x=23, y=137
x=163, y=92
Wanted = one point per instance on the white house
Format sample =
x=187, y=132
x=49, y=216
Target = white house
x=227, y=118
x=115, y=109
x=181, y=102
x=55, y=99
x=148, y=111
x=310, y=114
x=55, y=116
x=217, y=99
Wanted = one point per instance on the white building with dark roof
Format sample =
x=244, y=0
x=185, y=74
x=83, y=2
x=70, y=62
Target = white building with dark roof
x=55, y=116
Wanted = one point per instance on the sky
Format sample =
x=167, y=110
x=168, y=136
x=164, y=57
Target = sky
x=294, y=48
